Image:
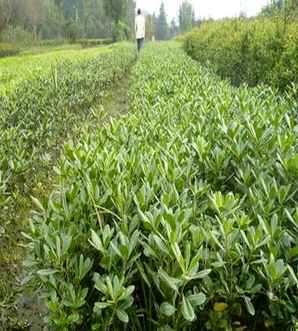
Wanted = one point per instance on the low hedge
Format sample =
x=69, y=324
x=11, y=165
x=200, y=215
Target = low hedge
x=53, y=42
x=94, y=42
x=248, y=51
x=8, y=50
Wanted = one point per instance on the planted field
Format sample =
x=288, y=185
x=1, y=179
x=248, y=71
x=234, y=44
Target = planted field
x=37, y=113
x=36, y=116
x=14, y=70
x=181, y=215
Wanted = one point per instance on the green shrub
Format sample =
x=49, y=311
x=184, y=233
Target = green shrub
x=180, y=38
x=8, y=50
x=179, y=216
x=71, y=30
x=86, y=43
x=122, y=31
x=53, y=42
x=17, y=35
x=248, y=51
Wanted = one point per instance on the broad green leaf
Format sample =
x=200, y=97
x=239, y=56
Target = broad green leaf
x=172, y=282
x=130, y=290
x=179, y=257
x=96, y=241
x=202, y=274
x=122, y=316
x=101, y=305
x=167, y=309
x=197, y=299
x=187, y=310
x=47, y=272
x=37, y=203
x=249, y=306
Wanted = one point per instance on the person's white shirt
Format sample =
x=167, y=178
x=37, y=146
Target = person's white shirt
x=140, y=27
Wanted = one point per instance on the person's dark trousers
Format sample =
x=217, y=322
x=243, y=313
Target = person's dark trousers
x=140, y=44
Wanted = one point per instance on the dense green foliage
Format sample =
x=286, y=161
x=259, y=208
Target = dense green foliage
x=162, y=27
x=186, y=16
x=30, y=21
x=44, y=99
x=248, y=51
x=94, y=42
x=8, y=49
x=285, y=8
x=15, y=69
x=37, y=113
x=182, y=215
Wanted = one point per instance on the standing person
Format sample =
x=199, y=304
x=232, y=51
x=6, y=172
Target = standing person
x=140, y=29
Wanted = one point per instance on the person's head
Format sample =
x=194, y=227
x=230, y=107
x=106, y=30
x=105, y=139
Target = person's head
x=139, y=11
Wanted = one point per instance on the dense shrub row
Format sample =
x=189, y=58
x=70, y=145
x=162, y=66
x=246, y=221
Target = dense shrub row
x=53, y=42
x=94, y=42
x=14, y=70
x=39, y=112
x=182, y=215
x=248, y=51
x=8, y=50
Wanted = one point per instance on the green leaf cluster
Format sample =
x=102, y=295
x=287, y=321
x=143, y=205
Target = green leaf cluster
x=181, y=215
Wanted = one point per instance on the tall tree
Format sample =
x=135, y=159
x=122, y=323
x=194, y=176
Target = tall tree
x=186, y=16
x=7, y=9
x=52, y=20
x=174, y=28
x=162, y=28
x=130, y=19
x=116, y=11
x=94, y=19
x=56, y=18
x=34, y=9
x=288, y=7
x=150, y=26
x=272, y=8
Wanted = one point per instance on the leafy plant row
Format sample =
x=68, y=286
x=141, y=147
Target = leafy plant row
x=94, y=42
x=182, y=215
x=248, y=51
x=16, y=69
x=8, y=50
x=38, y=113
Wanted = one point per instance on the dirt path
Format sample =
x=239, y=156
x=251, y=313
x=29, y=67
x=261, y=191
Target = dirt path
x=25, y=311
x=116, y=101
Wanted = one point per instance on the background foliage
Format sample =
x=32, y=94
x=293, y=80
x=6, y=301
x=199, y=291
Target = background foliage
x=27, y=21
x=248, y=51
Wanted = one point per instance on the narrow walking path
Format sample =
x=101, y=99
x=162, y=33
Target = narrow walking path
x=23, y=311
x=116, y=101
